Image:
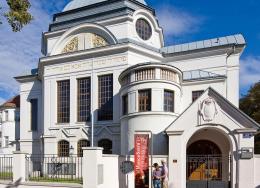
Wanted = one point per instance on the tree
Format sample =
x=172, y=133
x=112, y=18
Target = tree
x=18, y=15
x=250, y=104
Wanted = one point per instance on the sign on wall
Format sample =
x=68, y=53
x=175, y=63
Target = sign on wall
x=141, y=161
x=127, y=167
x=247, y=135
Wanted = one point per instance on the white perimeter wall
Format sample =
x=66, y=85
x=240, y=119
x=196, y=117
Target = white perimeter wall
x=257, y=171
x=114, y=178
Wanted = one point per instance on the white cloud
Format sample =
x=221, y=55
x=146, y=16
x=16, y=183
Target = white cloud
x=2, y=100
x=21, y=51
x=176, y=22
x=249, y=71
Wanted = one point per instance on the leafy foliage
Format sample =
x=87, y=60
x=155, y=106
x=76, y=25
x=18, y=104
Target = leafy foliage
x=257, y=144
x=250, y=104
x=18, y=15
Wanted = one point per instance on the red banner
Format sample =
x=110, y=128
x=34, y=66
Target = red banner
x=141, y=152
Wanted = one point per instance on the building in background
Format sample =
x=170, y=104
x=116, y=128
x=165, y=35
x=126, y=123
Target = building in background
x=10, y=126
x=106, y=65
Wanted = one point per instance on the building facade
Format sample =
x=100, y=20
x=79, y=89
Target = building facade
x=107, y=71
x=10, y=126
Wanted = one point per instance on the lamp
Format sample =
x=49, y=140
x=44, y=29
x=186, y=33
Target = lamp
x=71, y=161
x=71, y=150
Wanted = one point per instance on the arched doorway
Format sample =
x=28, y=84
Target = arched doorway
x=208, y=161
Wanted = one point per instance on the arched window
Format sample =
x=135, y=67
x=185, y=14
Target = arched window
x=143, y=29
x=106, y=144
x=257, y=144
x=63, y=148
x=81, y=144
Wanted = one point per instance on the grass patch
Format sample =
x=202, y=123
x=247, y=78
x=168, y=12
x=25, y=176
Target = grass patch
x=6, y=175
x=60, y=180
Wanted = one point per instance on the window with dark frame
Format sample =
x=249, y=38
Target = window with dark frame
x=81, y=144
x=125, y=104
x=168, y=101
x=144, y=100
x=143, y=29
x=107, y=146
x=105, y=97
x=63, y=98
x=34, y=114
x=63, y=148
x=196, y=94
x=84, y=101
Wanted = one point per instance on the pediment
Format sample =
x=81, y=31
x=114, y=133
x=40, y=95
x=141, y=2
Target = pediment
x=211, y=108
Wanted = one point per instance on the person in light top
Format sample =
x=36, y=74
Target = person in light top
x=164, y=176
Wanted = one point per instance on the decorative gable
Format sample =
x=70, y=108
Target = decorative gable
x=213, y=109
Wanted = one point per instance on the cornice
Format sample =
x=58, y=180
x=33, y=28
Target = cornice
x=95, y=53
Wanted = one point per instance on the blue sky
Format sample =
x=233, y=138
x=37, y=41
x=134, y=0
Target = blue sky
x=182, y=21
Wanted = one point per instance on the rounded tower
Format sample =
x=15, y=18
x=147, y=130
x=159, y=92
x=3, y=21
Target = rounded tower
x=150, y=100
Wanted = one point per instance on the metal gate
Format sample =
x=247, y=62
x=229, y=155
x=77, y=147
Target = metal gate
x=206, y=171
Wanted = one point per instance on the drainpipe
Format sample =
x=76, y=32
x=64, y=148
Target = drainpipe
x=42, y=144
x=229, y=53
x=92, y=103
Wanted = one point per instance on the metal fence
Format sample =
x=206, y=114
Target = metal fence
x=54, y=169
x=6, y=167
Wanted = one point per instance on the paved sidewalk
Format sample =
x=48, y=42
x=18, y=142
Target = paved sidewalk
x=8, y=184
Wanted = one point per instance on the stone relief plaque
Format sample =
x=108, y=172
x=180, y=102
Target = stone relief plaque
x=127, y=167
x=208, y=109
x=72, y=46
x=98, y=41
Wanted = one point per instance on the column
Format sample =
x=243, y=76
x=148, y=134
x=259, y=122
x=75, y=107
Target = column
x=19, y=166
x=177, y=160
x=92, y=168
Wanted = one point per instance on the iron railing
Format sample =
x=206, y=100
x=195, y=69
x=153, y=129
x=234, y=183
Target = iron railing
x=6, y=167
x=54, y=169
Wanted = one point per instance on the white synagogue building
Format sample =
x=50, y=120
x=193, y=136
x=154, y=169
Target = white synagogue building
x=106, y=72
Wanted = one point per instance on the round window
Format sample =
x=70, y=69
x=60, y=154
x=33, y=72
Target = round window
x=143, y=29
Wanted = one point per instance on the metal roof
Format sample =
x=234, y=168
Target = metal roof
x=32, y=72
x=237, y=39
x=200, y=75
x=74, y=4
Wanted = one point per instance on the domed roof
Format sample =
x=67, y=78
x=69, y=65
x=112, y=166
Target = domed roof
x=81, y=3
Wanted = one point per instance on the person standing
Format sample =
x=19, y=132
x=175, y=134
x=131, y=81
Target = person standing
x=164, y=176
x=157, y=173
